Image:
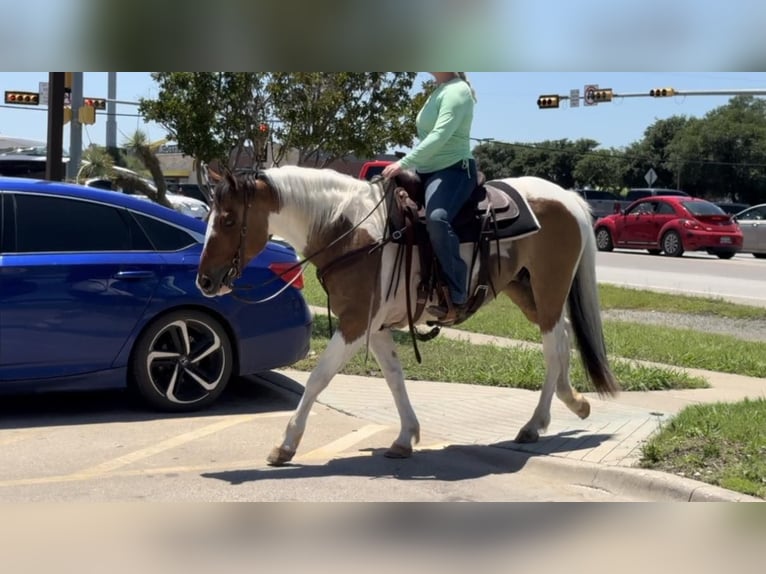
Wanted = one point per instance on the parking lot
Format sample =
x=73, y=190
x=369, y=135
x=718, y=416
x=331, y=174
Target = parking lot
x=96, y=447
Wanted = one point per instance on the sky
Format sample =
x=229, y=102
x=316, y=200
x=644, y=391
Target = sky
x=506, y=109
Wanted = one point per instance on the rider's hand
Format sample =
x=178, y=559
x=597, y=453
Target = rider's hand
x=391, y=170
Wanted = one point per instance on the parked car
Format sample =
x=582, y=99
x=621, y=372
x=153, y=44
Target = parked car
x=601, y=201
x=191, y=190
x=98, y=290
x=732, y=208
x=752, y=221
x=372, y=168
x=183, y=204
x=670, y=224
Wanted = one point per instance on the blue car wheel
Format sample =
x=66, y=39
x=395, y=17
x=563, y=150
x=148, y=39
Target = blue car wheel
x=182, y=361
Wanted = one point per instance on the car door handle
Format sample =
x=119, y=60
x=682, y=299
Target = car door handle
x=136, y=275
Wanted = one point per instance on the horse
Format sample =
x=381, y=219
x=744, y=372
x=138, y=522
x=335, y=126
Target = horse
x=339, y=222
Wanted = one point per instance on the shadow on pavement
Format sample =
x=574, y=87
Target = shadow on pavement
x=242, y=396
x=453, y=463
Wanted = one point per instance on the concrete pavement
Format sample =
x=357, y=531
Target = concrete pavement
x=602, y=451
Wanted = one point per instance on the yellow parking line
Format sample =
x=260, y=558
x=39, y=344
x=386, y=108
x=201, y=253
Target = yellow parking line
x=343, y=443
x=130, y=458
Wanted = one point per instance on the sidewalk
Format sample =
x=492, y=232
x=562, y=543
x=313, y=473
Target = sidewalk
x=474, y=414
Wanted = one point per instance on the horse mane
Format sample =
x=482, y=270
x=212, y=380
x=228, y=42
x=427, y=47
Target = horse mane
x=325, y=196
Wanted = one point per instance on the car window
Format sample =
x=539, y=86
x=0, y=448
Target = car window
x=702, y=208
x=164, y=237
x=664, y=209
x=634, y=195
x=57, y=224
x=642, y=208
x=757, y=213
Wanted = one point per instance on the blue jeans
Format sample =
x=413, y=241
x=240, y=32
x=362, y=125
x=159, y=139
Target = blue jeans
x=447, y=191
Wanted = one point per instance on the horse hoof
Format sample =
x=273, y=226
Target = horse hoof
x=279, y=456
x=398, y=451
x=527, y=436
x=583, y=409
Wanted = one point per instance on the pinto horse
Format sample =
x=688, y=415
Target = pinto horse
x=331, y=217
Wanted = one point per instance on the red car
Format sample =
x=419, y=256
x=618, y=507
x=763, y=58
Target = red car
x=671, y=225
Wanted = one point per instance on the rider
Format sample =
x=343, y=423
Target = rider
x=444, y=161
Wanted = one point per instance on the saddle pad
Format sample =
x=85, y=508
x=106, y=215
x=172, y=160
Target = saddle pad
x=515, y=227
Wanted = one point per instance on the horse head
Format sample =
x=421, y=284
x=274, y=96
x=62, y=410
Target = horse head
x=237, y=231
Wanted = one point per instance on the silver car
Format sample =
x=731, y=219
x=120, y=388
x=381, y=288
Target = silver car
x=753, y=224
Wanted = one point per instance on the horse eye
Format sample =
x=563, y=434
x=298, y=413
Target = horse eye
x=227, y=220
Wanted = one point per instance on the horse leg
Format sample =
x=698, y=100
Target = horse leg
x=382, y=346
x=556, y=355
x=576, y=403
x=337, y=353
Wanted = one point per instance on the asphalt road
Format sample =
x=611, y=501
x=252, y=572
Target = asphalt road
x=741, y=279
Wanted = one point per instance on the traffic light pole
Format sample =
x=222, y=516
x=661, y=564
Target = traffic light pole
x=75, y=131
x=54, y=168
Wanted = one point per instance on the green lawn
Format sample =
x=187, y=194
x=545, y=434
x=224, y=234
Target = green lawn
x=721, y=444
x=462, y=362
x=654, y=343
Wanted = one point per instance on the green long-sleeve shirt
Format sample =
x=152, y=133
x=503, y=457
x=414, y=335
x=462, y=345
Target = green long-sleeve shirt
x=444, y=129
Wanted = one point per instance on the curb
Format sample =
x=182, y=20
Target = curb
x=644, y=483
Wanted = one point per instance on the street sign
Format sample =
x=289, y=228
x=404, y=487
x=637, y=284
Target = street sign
x=574, y=98
x=43, y=93
x=650, y=177
x=590, y=90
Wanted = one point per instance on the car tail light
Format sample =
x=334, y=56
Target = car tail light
x=289, y=272
x=690, y=224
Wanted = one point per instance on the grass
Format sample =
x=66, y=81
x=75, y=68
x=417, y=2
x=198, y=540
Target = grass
x=721, y=444
x=683, y=348
x=463, y=362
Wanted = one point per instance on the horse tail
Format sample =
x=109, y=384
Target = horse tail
x=585, y=314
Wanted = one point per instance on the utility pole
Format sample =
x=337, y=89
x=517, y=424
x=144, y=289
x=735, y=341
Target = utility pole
x=75, y=133
x=54, y=168
x=111, y=119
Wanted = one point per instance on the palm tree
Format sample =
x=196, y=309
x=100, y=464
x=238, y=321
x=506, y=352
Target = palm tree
x=96, y=162
x=139, y=146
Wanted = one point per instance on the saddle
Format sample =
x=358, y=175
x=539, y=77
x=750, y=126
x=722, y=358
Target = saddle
x=493, y=198
x=494, y=211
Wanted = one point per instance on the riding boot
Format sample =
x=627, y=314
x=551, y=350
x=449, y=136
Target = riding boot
x=446, y=311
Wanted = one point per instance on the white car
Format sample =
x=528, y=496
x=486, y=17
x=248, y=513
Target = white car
x=186, y=205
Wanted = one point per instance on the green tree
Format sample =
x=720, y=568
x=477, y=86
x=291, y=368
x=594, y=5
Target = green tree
x=209, y=114
x=323, y=115
x=600, y=169
x=328, y=116
x=723, y=155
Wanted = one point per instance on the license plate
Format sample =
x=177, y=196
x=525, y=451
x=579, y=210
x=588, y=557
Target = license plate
x=726, y=240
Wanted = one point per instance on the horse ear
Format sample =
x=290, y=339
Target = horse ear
x=213, y=175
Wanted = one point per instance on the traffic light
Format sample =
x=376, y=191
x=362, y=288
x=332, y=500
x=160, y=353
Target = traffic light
x=86, y=115
x=662, y=92
x=23, y=98
x=603, y=95
x=548, y=101
x=263, y=129
x=95, y=103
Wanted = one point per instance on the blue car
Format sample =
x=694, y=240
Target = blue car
x=97, y=289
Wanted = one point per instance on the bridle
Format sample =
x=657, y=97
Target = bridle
x=235, y=268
